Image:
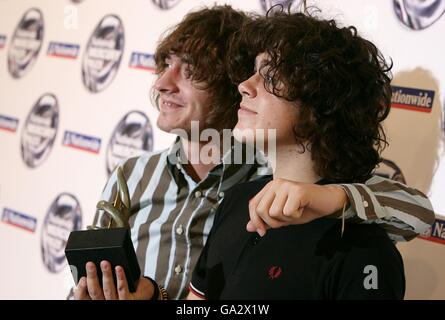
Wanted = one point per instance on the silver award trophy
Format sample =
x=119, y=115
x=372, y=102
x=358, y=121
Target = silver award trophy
x=112, y=243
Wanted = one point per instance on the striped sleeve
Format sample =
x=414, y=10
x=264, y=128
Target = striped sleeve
x=402, y=211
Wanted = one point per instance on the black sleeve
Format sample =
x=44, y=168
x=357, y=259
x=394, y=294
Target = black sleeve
x=199, y=282
x=373, y=270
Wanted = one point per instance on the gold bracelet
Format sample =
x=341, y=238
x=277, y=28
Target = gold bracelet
x=162, y=293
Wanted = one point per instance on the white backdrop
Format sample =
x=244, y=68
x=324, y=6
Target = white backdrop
x=71, y=71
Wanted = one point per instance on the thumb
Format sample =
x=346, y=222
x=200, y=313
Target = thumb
x=250, y=227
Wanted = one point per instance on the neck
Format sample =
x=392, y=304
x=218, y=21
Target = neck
x=289, y=163
x=202, y=157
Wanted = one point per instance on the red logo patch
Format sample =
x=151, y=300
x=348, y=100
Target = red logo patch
x=274, y=272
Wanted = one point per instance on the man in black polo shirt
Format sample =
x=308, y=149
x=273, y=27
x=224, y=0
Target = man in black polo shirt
x=308, y=261
x=325, y=91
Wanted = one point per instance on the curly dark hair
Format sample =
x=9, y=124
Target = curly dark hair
x=340, y=79
x=201, y=40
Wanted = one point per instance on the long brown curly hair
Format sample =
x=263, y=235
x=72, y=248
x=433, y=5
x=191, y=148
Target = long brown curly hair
x=201, y=40
x=341, y=80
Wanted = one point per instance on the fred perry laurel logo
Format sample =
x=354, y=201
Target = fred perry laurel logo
x=274, y=272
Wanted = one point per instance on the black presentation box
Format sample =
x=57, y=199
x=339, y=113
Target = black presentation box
x=113, y=245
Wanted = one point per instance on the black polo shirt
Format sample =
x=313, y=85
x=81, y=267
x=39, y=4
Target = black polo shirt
x=310, y=261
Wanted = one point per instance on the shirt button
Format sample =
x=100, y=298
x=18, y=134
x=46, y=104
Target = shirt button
x=221, y=194
x=365, y=203
x=179, y=230
x=198, y=194
x=178, y=269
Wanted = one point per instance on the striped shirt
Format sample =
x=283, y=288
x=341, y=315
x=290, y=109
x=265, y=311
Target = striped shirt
x=172, y=214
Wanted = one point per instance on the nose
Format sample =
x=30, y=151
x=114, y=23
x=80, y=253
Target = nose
x=167, y=81
x=247, y=88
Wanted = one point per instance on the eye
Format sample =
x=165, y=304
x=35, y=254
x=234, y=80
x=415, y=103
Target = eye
x=167, y=63
x=268, y=79
x=187, y=70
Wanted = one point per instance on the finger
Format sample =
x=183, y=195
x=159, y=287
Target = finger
x=108, y=287
x=277, y=207
x=250, y=227
x=293, y=207
x=81, y=292
x=306, y=217
x=255, y=220
x=94, y=289
x=122, y=284
x=263, y=207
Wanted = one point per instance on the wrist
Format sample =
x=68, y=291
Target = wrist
x=159, y=293
x=155, y=295
x=335, y=200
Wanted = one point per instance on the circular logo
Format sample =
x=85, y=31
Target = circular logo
x=132, y=137
x=165, y=4
x=103, y=54
x=26, y=43
x=388, y=169
x=64, y=215
x=267, y=4
x=419, y=14
x=39, y=131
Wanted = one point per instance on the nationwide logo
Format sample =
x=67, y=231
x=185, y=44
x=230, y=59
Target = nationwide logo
x=81, y=142
x=64, y=215
x=20, y=220
x=412, y=99
x=419, y=14
x=103, y=54
x=2, y=41
x=143, y=61
x=39, y=130
x=165, y=4
x=26, y=43
x=132, y=137
x=63, y=50
x=8, y=123
x=436, y=233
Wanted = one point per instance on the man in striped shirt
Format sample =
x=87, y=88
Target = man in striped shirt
x=174, y=196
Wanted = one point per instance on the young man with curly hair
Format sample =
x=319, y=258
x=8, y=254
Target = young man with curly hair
x=326, y=91
x=174, y=198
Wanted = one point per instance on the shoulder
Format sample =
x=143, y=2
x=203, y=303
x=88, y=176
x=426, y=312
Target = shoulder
x=248, y=189
x=362, y=254
x=236, y=200
x=140, y=163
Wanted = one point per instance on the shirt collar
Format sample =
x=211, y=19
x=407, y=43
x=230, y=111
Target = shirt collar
x=235, y=154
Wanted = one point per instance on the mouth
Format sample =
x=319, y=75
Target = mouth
x=243, y=110
x=168, y=105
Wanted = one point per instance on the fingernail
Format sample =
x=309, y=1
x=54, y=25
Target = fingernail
x=260, y=232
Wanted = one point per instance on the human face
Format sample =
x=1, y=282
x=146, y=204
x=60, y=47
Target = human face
x=260, y=109
x=180, y=99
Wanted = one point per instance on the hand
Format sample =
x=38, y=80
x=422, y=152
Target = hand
x=283, y=202
x=89, y=287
